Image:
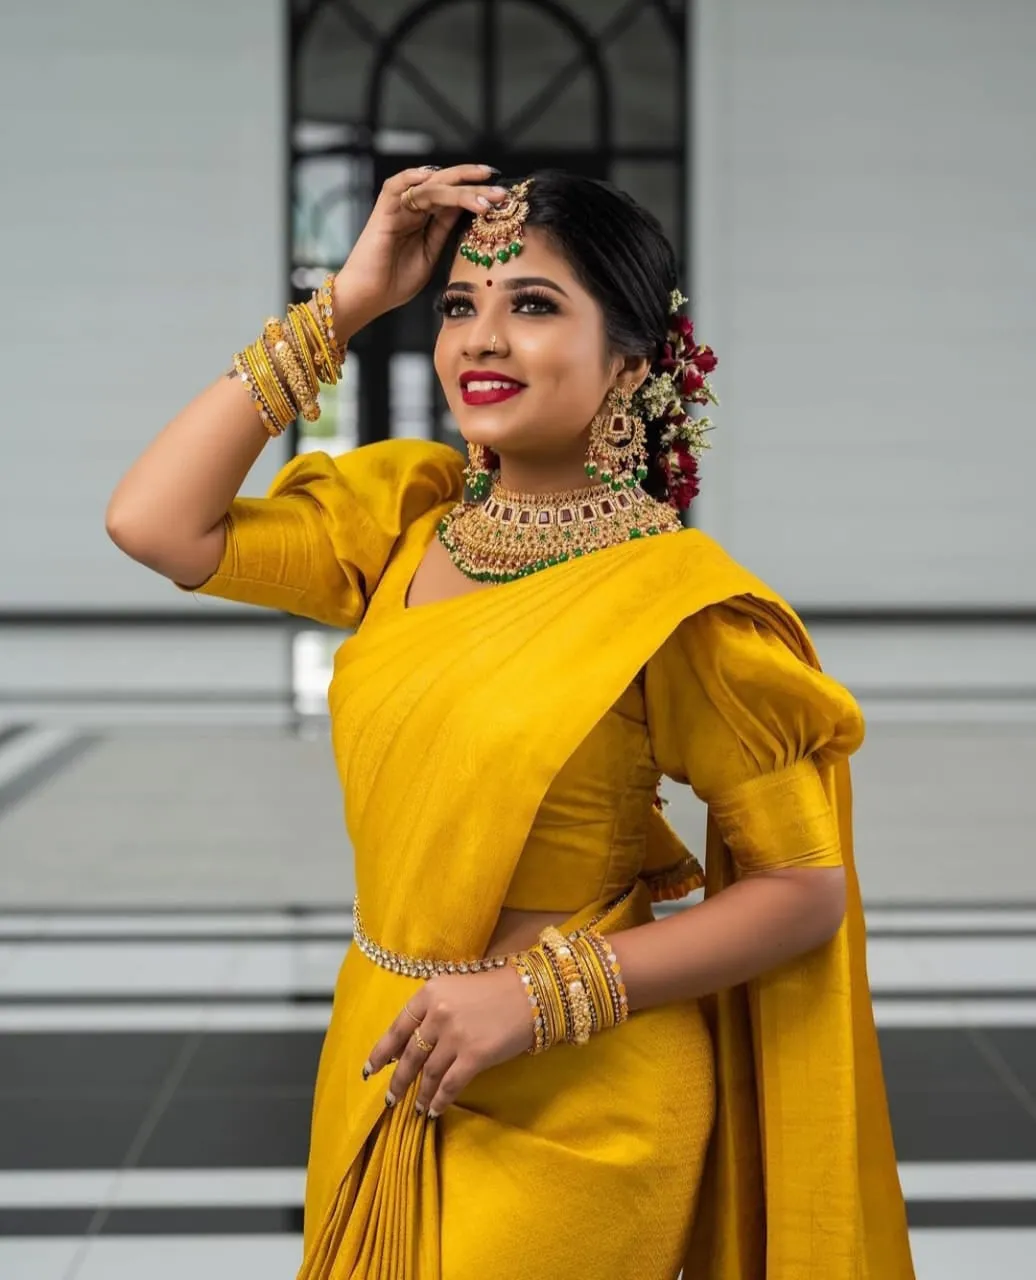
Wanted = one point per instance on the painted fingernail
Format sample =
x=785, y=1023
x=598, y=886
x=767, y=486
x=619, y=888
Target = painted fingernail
x=486, y=204
x=390, y=1099
x=368, y=1070
x=492, y=168
x=431, y=167
x=419, y=1107
x=499, y=191
x=434, y=1115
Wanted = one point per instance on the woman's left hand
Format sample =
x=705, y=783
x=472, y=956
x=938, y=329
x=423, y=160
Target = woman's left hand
x=473, y=1020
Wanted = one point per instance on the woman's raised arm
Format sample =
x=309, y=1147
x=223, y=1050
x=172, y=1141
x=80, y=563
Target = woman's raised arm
x=167, y=510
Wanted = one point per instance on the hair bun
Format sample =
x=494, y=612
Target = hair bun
x=679, y=379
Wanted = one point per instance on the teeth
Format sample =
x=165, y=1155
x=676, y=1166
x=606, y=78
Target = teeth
x=490, y=386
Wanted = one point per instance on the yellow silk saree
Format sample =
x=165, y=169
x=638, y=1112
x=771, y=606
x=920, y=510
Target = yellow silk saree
x=449, y=722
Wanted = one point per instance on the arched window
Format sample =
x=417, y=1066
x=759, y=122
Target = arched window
x=596, y=86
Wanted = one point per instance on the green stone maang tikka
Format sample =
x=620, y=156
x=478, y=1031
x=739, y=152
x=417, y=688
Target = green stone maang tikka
x=496, y=235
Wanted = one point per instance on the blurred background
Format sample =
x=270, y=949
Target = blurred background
x=851, y=189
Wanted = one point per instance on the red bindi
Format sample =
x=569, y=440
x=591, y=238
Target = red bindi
x=489, y=284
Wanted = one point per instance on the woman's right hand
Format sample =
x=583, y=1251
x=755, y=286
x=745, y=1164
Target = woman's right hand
x=393, y=258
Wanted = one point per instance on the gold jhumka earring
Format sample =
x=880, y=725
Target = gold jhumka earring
x=617, y=454
x=479, y=472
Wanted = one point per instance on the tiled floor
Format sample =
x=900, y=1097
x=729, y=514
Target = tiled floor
x=157, y=1063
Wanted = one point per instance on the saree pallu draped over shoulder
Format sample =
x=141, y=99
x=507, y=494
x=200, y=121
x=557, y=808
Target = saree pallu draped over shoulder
x=450, y=721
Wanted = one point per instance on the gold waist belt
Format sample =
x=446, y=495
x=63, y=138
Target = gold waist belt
x=423, y=967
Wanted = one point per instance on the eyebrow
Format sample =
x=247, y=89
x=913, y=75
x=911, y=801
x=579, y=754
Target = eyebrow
x=512, y=285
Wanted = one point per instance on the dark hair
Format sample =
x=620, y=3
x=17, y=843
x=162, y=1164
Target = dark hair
x=622, y=257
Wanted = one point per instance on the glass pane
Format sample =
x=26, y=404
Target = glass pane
x=404, y=106
x=646, y=78
x=331, y=70
x=329, y=209
x=337, y=428
x=534, y=48
x=445, y=49
x=570, y=120
x=657, y=186
x=410, y=389
x=597, y=15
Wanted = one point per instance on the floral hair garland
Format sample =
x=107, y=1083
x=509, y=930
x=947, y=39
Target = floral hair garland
x=681, y=380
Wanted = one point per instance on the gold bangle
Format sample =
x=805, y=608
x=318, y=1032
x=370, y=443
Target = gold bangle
x=326, y=313
x=297, y=335
x=265, y=414
x=531, y=988
x=321, y=351
x=288, y=365
x=262, y=381
x=559, y=948
x=556, y=1027
x=270, y=382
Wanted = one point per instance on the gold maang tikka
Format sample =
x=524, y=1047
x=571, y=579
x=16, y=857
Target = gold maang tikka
x=617, y=455
x=496, y=235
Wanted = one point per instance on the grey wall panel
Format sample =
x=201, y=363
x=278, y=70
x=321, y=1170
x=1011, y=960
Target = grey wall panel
x=142, y=243
x=865, y=266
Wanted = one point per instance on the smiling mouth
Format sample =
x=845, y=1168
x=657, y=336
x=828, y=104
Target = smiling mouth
x=489, y=390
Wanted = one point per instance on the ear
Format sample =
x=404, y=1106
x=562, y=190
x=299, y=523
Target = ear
x=630, y=371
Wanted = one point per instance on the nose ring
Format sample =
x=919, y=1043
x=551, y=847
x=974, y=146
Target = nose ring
x=492, y=347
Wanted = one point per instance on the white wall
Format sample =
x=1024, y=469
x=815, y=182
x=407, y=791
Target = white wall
x=865, y=265
x=141, y=242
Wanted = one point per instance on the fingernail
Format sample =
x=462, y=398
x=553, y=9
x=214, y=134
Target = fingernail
x=419, y=1107
x=499, y=191
x=368, y=1070
x=434, y=1115
x=431, y=167
x=390, y=1099
x=484, y=202
x=492, y=168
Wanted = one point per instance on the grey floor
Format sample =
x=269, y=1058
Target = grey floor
x=175, y=906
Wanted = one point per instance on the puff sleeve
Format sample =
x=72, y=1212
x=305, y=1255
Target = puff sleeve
x=319, y=541
x=733, y=711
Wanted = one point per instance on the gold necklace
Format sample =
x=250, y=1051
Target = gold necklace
x=510, y=535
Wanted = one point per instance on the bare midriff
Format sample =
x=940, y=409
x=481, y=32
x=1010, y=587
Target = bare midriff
x=518, y=930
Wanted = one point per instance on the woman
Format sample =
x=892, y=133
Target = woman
x=606, y=1095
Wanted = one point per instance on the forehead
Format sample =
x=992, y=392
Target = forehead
x=539, y=257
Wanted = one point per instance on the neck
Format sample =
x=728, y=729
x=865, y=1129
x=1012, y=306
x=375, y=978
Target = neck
x=556, y=476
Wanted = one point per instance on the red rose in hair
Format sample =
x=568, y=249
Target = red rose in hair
x=692, y=380
x=705, y=359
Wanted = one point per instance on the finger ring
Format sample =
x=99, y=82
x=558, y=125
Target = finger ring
x=407, y=198
x=423, y=1045
x=406, y=1010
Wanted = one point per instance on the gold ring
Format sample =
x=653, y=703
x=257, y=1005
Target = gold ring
x=407, y=198
x=412, y=1015
x=423, y=1045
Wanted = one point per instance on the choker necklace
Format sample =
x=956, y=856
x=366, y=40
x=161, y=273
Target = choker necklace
x=511, y=535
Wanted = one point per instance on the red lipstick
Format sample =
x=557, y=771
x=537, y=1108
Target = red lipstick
x=481, y=386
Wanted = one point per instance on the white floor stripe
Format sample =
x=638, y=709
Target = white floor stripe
x=29, y=749
x=285, y=968
x=185, y=1017
x=278, y=1188
x=967, y=920
x=140, y=926
x=952, y=1181
x=152, y=1188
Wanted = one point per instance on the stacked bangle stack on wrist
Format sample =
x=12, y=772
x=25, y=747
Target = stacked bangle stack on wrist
x=574, y=986
x=283, y=369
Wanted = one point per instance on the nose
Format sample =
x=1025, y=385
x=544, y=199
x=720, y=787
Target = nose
x=484, y=341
